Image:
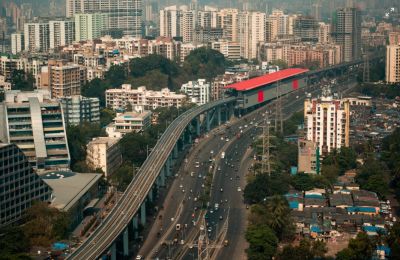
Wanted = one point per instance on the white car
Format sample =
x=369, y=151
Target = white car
x=239, y=189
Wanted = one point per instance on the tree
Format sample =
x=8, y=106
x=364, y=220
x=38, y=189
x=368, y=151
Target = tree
x=22, y=81
x=278, y=217
x=13, y=243
x=96, y=88
x=280, y=63
x=393, y=241
x=264, y=186
x=45, y=225
x=359, y=248
x=262, y=242
x=123, y=176
x=306, y=250
x=204, y=63
x=302, y=182
x=116, y=75
x=106, y=116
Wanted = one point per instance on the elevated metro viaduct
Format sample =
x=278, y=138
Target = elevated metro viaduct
x=257, y=91
x=121, y=226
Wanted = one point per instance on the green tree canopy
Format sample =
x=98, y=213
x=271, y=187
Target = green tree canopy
x=264, y=186
x=204, y=63
x=262, y=242
x=359, y=248
x=22, y=81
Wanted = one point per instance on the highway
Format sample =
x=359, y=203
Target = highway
x=136, y=193
x=134, y=196
x=229, y=176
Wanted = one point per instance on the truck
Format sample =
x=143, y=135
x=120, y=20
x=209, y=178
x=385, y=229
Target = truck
x=222, y=155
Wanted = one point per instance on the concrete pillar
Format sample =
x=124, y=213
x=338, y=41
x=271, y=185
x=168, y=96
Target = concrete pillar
x=162, y=177
x=189, y=138
x=125, y=242
x=208, y=121
x=219, y=115
x=113, y=250
x=150, y=195
x=168, y=166
x=175, y=151
x=231, y=111
x=143, y=213
x=135, y=224
x=198, y=126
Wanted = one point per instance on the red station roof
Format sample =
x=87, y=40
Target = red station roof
x=266, y=79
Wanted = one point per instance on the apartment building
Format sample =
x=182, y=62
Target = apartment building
x=346, y=31
x=61, y=32
x=142, y=99
x=124, y=15
x=90, y=26
x=20, y=185
x=327, y=122
x=62, y=79
x=308, y=157
x=17, y=43
x=79, y=109
x=35, y=123
x=36, y=36
x=393, y=58
x=129, y=122
x=104, y=153
x=230, y=50
x=251, y=33
x=197, y=91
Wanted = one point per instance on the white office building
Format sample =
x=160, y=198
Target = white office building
x=129, y=122
x=198, y=91
x=35, y=123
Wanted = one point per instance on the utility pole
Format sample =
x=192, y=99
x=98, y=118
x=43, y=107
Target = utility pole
x=202, y=243
x=366, y=70
x=266, y=162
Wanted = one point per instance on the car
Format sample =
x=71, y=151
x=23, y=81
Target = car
x=231, y=178
x=221, y=189
x=195, y=198
x=239, y=189
x=211, y=211
x=183, y=191
x=220, y=217
x=245, y=126
x=191, y=174
x=178, y=227
x=222, y=138
x=139, y=257
x=212, y=151
x=181, y=186
x=219, y=168
x=200, y=176
x=227, y=139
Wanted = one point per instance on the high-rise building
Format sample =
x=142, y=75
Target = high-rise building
x=251, y=33
x=20, y=185
x=393, y=63
x=104, y=153
x=62, y=79
x=17, y=42
x=61, y=33
x=227, y=19
x=306, y=28
x=324, y=32
x=346, y=31
x=327, y=122
x=177, y=22
x=36, y=36
x=78, y=109
x=35, y=123
x=124, y=15
x=198, y=91
x=90, y=26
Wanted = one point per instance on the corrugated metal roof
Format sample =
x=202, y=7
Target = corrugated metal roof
x=266, y=79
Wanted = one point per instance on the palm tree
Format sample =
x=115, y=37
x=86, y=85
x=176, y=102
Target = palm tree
x=278, y=211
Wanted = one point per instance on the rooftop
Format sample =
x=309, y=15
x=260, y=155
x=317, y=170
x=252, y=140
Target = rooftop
x=69, y=187
x=266, y=79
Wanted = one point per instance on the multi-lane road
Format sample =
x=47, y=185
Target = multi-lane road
x=182, y=204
